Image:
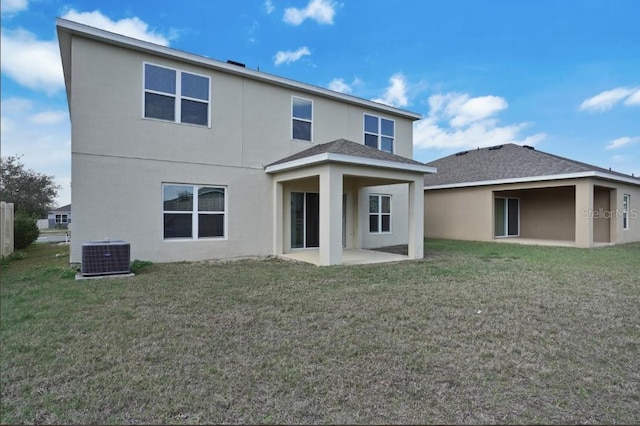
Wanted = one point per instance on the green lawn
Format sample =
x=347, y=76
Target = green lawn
x=474, y=333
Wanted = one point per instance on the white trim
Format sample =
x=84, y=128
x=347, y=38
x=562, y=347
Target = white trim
x=302, y=119
x=70, y=27
x=348, y=159
x=538, y=179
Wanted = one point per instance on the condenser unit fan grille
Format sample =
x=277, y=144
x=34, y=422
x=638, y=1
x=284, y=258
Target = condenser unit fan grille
x=106, y=257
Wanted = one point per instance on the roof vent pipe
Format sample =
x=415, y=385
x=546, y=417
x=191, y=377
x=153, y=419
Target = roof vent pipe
x=239, y=64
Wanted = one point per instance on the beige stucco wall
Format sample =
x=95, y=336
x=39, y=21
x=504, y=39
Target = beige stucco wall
x=602, y=223
x=545, y=213
x=459, y=214
x=120, y=159
x=633, y=233
x=585, y=210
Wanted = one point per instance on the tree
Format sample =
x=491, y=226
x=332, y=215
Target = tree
x=31, y=193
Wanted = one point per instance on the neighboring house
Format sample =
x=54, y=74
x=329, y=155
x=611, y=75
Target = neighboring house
x=512, y=191
x=60, y=217
x=203, y=159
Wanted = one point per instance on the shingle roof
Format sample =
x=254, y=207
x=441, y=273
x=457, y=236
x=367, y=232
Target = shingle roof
x=352, y=149
x=66, y=208
x=509, y=161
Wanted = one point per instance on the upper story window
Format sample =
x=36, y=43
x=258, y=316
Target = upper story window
x=379, y=133
x=301, y=119
x=175, y=95
x=625, y=210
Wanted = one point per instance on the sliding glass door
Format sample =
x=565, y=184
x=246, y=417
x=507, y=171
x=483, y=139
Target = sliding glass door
x=507, y=217
x=305, y=219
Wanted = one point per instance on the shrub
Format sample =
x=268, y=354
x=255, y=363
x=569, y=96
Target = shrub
x=138, y=265
x=25, y=231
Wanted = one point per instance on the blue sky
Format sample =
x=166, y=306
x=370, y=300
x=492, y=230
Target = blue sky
x=563, y=76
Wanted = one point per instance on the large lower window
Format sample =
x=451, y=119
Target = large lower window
x=193, y=211
x=379, y=213
x=379, y=133
x=626, y=200
x=507, y=217
x=175, y=95
x=62, y=218
x=301, y=119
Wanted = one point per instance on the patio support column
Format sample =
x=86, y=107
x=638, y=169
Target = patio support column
x=416, y=218
x=330, y=216
x=584, y=214
x=278, y=218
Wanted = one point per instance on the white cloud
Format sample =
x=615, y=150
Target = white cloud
x=36, y=63
x=288, y=56
x=606, y=100
x=269, y=7
x=633, y=99
x=458, y=121
x=321, y=11
x=620, y=142
x=41, y=134
x=10, y=7
x=131, y=27
x=49, y=117
x=396, y=94
x=339, y=85
x=31, y=62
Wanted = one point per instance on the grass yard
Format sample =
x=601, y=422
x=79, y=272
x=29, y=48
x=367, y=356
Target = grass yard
x=474, y=333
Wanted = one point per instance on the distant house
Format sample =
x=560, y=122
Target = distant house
x=517, y=193
x=60, y=217
x=205, y=159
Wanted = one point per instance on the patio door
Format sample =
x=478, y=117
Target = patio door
x=305, y=220
x=507, y=217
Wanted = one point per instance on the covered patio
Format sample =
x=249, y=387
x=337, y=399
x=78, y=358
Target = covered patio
x=576, y=214
x=349, y=256
x=328, y=198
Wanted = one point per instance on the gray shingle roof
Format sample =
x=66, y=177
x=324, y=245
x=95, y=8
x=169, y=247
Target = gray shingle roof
x=352, y=149
x=66, y=208
x=507, y=161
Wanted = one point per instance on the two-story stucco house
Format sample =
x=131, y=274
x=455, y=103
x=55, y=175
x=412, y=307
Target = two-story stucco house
x=205, y=159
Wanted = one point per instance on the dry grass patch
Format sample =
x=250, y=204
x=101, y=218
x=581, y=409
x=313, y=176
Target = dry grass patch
x=476, y=333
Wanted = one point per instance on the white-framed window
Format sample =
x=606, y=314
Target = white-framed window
x=174, y=95
x=626, y=201
x=301, y=119
x=62, y=218
x=194, y=211
x=379, y=214
x=379, y=132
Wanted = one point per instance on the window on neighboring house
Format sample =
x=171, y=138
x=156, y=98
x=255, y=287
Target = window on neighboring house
x=379, y=213
x=62, y=218
x=626, y=200
x=302, y=119
x=379, y=133
x=193, y=211
x=175, y=95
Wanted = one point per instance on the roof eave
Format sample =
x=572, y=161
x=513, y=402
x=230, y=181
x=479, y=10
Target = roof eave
x=563, y=176
x=67, y=28
x=328, y=157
